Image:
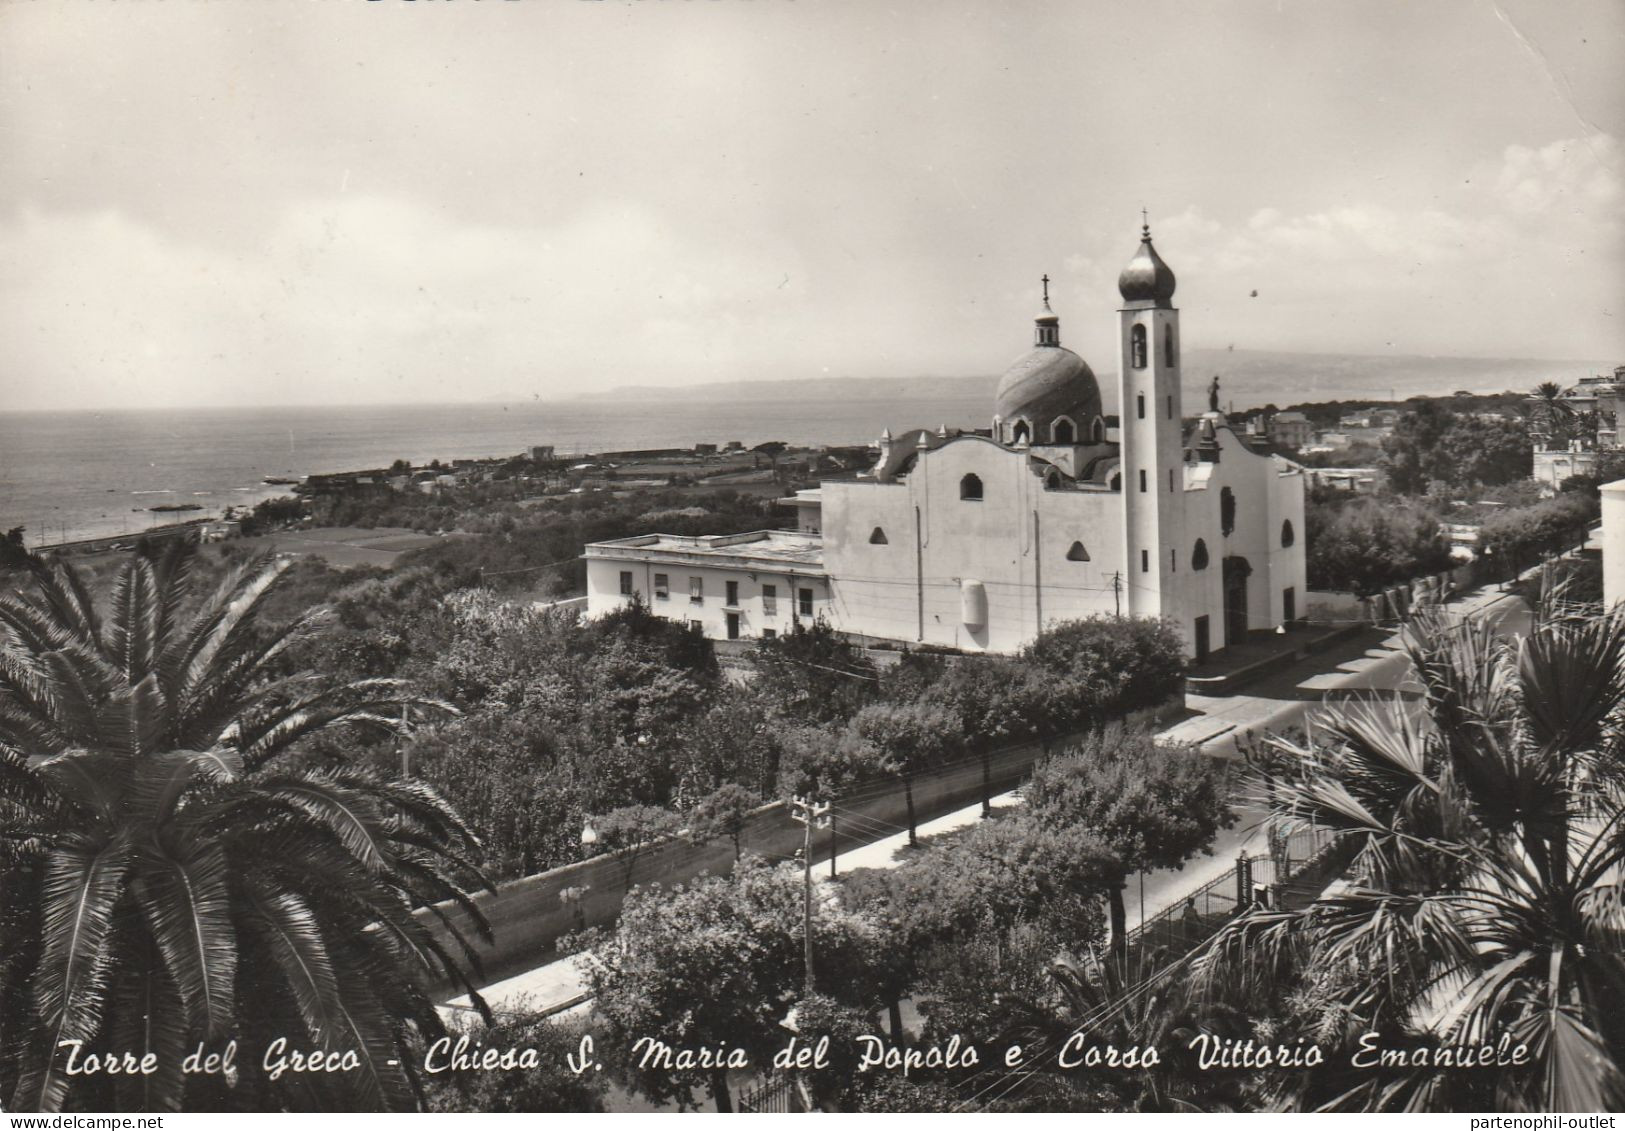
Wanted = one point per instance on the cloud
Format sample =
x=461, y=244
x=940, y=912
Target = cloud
x=357, y=296
x=1525, y=258
x=366, y=297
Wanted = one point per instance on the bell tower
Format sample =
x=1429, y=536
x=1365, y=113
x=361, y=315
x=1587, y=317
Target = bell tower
x=1151, y=436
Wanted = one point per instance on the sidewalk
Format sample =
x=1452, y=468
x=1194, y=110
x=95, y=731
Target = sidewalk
x=1273, y=703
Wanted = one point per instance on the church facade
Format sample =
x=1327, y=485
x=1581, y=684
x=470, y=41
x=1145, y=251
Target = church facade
x=979, y=540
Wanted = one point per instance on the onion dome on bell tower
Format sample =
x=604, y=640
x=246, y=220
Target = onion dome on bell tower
x=1147, y=281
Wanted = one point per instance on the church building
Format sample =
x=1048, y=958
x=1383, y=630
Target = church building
x=979, y=540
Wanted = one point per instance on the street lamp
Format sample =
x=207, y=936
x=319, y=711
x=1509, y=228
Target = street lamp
x=589, y=835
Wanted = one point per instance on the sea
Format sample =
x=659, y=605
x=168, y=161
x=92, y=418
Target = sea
x=72, y=475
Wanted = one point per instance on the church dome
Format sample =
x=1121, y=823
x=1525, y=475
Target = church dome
x=1146, y=279
x=1049, y=395
x=1043, y=385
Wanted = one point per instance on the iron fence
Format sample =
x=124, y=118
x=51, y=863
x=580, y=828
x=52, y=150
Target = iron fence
x=774, y=1096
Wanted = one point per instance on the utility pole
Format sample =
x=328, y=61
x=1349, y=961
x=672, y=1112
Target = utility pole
x=1117, y=591
x=811, y=814
x=400, y=743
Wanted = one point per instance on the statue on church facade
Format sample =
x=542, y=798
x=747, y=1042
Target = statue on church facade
x=1213, y=395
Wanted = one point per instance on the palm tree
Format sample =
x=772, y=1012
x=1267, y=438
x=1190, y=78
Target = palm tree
x=1549, y=415
x=1489, y=823
x=164, y=883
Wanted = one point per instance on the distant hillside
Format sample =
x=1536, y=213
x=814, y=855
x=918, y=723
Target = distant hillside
x=1246, y=378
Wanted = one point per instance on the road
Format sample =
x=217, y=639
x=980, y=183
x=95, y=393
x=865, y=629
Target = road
x=1372, y=662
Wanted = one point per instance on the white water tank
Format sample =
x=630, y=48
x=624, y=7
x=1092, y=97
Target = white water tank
x=973, y=603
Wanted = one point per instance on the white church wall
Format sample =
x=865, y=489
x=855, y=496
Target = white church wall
x=876, y=590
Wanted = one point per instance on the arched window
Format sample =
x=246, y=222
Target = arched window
x=1064, y=432
x=1097, y=431
x=1227, y=512
x=1288, y=535
x=1169, y=358
x=1053, y=480
x=1077, y=553
x=1021, y=433
x=1137, y=346
x=970, y=487
x=1199, y=555
x=877, y=537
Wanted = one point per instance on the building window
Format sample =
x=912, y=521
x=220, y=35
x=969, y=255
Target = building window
x=1289, y=604
x=1170, y=406
x=770, y=600
x=1097, y=431
x=662, y=587
x=1288, y=535
x=1019, y=436
x=1199, y=555
x=770, y=634
x=733, y=594
x=1173, y=560
x=1227, y=512
x=970, y=487
x=698, y=626
x=626, y=583
x=1137, y=346
x=696, y=591
x=1077, y=553
x=877, y=537
x=1169, y=358
x=1064, y=431
x=1142, y=480
x=1170, y=480
x=804, y=601
x=1139, y=405
x=1145, y=561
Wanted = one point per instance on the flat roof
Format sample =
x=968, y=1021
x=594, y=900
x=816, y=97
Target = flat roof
x=795, y=546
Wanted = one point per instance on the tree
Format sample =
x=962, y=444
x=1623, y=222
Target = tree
x=1481, y=452
x=813, y=675
x=1112, y=665
x=13, y=552
x=631, y=831
x=1486, y=837
x=1549, y=416
x=1517, y=536
x=723, y=813
x=907, y=739
x=550, y=1087
x=1408, y=452
x=998, y=701
x=710, y=964
x=1365, y=545
x=1151, y=805
x=978, y=884
x=163, y=882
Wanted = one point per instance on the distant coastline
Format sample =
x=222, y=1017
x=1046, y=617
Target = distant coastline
x=1251, y=378
x=74, y=475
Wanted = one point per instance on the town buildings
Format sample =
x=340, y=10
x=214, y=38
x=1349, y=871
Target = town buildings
x=1568, y=430
x=978, y=540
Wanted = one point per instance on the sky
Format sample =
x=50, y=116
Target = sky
x=225, y=202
